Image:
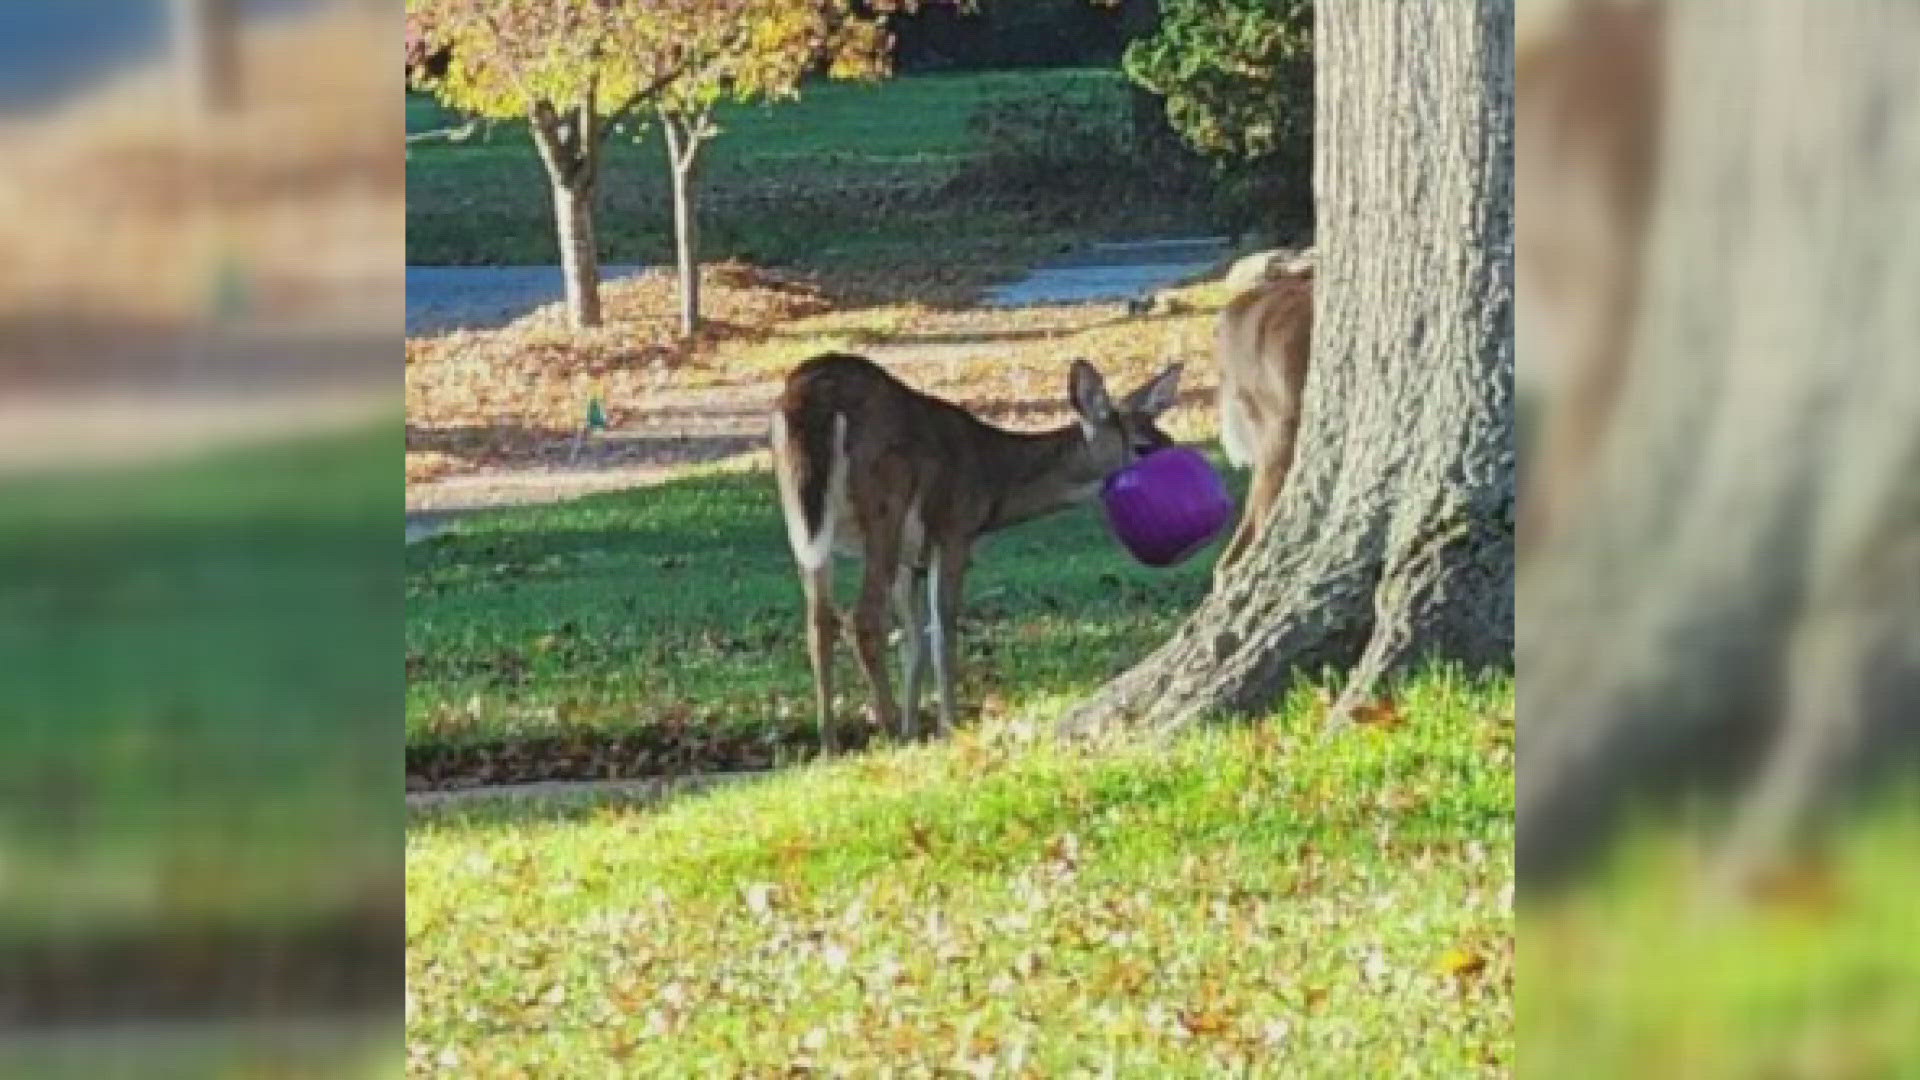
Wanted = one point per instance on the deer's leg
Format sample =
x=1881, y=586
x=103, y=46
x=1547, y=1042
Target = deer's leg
x=822, y=625
x=913, y=640
x=1269, y=477
x=870, y=620
x=1242, y=536
x=943, y=596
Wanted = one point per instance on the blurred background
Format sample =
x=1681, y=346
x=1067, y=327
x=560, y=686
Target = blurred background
x=1718, y=615
x=201, y=215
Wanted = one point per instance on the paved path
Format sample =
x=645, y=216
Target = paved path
x=1117, y=271
x=441, y=298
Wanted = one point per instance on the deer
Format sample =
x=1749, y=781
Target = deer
x=871, y=469
x=1264, y=342
x=1587, y=116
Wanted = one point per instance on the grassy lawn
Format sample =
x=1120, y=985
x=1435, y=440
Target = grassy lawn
x=849, y=172
x=177, y=754
x=1247, y=898
x=672, y=614
x=1822, y=978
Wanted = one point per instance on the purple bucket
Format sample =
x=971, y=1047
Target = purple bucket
x=1167, y=505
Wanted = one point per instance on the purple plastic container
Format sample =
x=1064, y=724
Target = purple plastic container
x=1167, y=505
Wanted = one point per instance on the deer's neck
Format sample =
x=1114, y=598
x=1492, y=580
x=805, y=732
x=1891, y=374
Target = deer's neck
x=1040, y=473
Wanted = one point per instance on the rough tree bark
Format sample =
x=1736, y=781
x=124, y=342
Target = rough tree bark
x=1393, y=541
x=685, y=136
x=569, y=146
x=1735, y=596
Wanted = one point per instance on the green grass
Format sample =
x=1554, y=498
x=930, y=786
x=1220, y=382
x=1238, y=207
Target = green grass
x=848, y=172
x=1254, y=897
x=680, y=603
x=1628, y=977
x=177, y=749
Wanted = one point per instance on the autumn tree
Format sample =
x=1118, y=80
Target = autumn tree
x=772, y=46
x=1393, y=540
x=572, y=69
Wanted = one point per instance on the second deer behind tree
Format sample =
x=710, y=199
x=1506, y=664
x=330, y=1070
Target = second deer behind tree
x=1264, y=342
x=871, y=468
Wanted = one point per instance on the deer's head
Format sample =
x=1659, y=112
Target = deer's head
x=1120, y=433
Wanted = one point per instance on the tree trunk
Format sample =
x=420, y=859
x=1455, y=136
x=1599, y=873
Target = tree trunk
x=1734, y=595
x=206, y=39
x=683, y=152
x=570, y=149
x=1393, y=540
x=579, y=256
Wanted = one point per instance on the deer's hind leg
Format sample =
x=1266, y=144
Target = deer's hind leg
x=908, y=609
x=1269, y=478
x=880, y=525
x=822, y=626
x=944, y=584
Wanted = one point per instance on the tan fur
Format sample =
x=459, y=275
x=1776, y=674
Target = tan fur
x=1264, y=341
x=868, y=467
x=1587, y=110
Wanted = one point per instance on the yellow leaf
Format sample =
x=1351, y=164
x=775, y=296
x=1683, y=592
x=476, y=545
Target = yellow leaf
x=1462, y=963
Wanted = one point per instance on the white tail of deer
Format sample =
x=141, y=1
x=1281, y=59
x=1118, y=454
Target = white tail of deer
x=1264, y=341
x=868, y=467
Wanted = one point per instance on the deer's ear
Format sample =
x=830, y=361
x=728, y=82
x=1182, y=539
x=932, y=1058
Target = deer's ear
x=1088, y=392
x=1158, y=394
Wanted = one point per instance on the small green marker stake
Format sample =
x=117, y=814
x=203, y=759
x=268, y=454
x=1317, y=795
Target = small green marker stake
x=596, y=421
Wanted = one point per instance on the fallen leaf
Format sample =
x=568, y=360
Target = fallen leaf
x=1462, y=963
x=1381, y=713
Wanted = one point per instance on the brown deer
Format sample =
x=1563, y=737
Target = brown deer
x=1264, y=341
x=871, y=468
x=1587, y=105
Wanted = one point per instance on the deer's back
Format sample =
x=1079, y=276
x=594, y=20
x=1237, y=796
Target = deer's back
x=885, y=417
x=1264, y=343
x=903, y=456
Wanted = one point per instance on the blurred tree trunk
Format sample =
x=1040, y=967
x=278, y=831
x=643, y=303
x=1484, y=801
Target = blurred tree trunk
x=685, y=135
x=206, y=42
x=1734, y=596
x=569, y=146
x=1393, y=540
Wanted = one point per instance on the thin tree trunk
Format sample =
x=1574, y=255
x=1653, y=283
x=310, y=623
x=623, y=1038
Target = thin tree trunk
x=579, y=257
x=569, y=147
x=1393, y=540
x=206, y=39
x=684, y=137
x=1736, y=590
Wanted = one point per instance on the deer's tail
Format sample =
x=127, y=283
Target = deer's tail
x=810, y=467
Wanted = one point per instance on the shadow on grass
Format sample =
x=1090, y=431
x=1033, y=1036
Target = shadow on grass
x=543, y=446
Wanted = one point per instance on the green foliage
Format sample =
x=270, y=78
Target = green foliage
x=1074, y=148
x=1237, y=78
